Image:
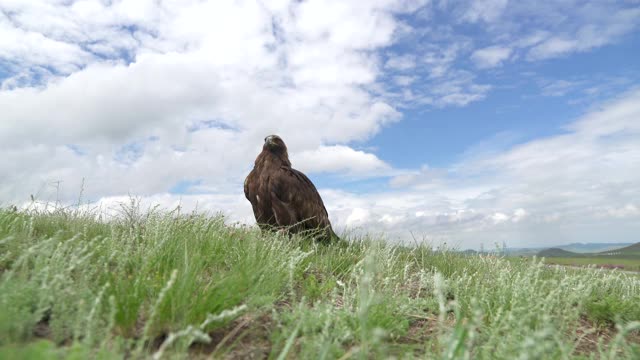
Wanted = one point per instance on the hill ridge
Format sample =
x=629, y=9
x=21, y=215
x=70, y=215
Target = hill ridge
x=633, y=249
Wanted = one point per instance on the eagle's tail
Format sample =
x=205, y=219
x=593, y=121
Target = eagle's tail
x=334, y=236
x=331, y=237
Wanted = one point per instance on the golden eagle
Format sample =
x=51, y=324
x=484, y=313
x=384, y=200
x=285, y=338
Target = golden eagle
x=284, y=198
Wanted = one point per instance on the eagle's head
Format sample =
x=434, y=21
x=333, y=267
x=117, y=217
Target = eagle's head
x=274, y=147
x=274, y=144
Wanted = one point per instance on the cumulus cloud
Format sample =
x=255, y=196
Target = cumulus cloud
x=457, y=89
x=339, y=158
x=558, y=87
x=586, y=30
x=358, y=216
x=490, y=56
x=583, y=89
x=580, y=185
x=541, y=30
x=404, y=80
x=403, y=62
x=628, y=210
x=425, y=175
x=430, y=73
x=484, y=10
x=149, y=94
x=437, y=51
x=591, y=34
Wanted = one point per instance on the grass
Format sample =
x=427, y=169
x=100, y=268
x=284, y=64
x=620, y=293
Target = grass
x=165, y=285
x=629, y=263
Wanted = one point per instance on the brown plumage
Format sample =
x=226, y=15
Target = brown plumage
x=283, y=197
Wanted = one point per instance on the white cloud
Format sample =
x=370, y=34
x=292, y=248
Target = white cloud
x=531, y=38
x=583, y=185
x=458, y=89
x=357, y=217
x=490, y=56
x=519, y=214
x=436, y=80
x=543, y=29
x=33, y=48
x=425, y=175
x=149, y=94
x=499, y=217
x=440, y=59
x=339, y=158
x=485, y=10
x=629, y=210
x=558, y=87
x=553, y=47
x=586, y=89
x=404, y=80
x=403, y=62
x=591, y=30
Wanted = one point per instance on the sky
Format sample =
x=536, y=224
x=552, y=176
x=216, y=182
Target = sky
x=470, y=122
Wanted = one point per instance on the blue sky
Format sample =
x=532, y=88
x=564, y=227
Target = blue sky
x=517, y=104
x=471, y=121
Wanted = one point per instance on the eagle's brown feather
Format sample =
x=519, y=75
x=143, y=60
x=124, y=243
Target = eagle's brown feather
x=283, y=197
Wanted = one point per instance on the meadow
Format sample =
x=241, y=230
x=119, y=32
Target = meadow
x=164, y=285
x=630, y=264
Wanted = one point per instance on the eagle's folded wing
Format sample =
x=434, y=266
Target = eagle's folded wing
x=296, y=201
x=251, y=189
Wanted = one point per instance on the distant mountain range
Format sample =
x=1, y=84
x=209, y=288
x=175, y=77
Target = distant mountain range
x=632, y=250
x=628, y=250
x=572, y=249
x=593, y=247
x=557, y=252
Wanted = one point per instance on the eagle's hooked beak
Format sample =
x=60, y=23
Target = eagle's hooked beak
x=269, y=140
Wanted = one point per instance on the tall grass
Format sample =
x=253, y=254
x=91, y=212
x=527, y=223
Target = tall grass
x=164, y=285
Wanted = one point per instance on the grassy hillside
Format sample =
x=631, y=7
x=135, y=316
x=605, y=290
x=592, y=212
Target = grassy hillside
x=627, y=258
x=555, y=252
x=631, y=250
x=579, y=248
x=163, y=285
x=598, y=261
x=592, y=247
